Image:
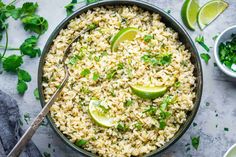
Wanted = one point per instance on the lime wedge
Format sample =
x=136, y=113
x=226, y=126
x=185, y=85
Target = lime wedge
x=189, y=13
x=210, y=11
x=148, y=92
x=124, y=34
x=99, y=114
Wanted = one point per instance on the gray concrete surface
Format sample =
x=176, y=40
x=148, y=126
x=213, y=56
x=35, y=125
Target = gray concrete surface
x=219, y=90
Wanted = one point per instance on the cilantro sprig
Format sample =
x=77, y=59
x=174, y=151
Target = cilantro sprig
x=200, y=40
x=31, y=22
x=70, y=7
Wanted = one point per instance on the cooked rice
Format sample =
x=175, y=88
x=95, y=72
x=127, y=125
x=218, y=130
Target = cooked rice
x=70, y=111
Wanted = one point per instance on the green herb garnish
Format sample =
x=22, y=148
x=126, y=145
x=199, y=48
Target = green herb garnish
x=147, y=38
x=96, y=76
x=12, y=63
x=151, y=110
x=81, y=142
x=21, y=87
x=162, y=59
x=122, y=127
x=206, y=57
x=138, y=125
x=227, y=53
x=226, y=129
x=195, y=142
x=85, y=72
x=36, y=93
x=29, y=47
x=200, y=40
x=111, y=74
x=128, y=103
x=23, y=75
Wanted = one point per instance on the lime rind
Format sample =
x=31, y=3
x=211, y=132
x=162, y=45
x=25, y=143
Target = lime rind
x=217, y=7
x=99, y=116
x=148, y=92
x=124, y=34
x=189, y=13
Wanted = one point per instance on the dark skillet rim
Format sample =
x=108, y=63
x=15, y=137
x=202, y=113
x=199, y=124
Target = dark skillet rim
x=178, y=28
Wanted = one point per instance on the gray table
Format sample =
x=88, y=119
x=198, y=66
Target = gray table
x=219, y=90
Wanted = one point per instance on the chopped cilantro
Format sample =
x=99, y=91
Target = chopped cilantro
x=69, y=7
x=200, y=40
x=128, y=103
x=111, y=74
x=163, y=59
x=92, y=26
x=138, y=125
x=147, y=38
x=97, y=58
x=85, y=72
x=120, y=66
x=151, y=111
x=162, y=124
x=81, y=142
x=205, y=57
x=195, y=142
x=96, y=76
x=227, y=53
x=122, y=127
x=177, y=84
x=226, y=129
x=36, y=93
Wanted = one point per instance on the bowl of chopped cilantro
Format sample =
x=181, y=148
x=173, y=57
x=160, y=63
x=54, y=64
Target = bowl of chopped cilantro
x=225, y=51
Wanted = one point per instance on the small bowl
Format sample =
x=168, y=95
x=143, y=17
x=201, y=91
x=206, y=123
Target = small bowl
x=231, y=152
x=223, y=37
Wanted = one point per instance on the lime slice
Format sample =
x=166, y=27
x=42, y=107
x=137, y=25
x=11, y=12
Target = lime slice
x=210, y=11
x=189, y=13
x=148, y=92
x=124, y=34
x=99, y=114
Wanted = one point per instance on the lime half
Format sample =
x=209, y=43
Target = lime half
x=148, y=92
x=210, y=11
x=124, y=34
x=99, y=114
x=189, y=13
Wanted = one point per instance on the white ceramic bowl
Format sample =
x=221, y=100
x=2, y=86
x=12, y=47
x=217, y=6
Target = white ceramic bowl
x=231, y=152
x=224, y=36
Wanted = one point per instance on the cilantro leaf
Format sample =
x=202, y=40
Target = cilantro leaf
x=195, y=142
x=111, y=74
x=23, y=75
x=28, y=8
x=122, y=127
x=91, y=1
x=96, y=76
x=81, y=142
x=205, y=57
x=148, y=37
x=85, y=72
x=12, y=63
x=69, y=7
x=35, y=23
x=21, y=87
x=36, y=93
x=29, y=47
x=200, y=40
x=128, y=103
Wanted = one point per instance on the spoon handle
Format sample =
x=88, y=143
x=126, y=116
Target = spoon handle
x=15, y=152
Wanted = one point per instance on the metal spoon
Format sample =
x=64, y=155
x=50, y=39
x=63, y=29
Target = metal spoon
x=37, y=121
